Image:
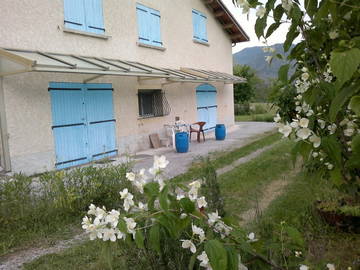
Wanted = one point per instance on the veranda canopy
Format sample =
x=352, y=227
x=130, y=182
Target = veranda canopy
x=13, y=61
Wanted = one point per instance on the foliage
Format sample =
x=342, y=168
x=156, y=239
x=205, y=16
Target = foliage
x=29, y=206
x=327, y=82
x=242, y=109
x=244, y=92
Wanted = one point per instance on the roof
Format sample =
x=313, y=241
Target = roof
x=227, y=20
x=13, y=61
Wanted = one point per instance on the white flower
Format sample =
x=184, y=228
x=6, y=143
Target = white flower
x=160, y=162
x=196, y=184
x=334, y=34
x=344, y=122
x=285, y=130
x=128, y=199
x=201, y=202
x=251, y=237
x=305, y=76
x=268, y=59
x=124, y=193
x=298, y=109
x=113, y=218
x=332, y=128
x=143, y=206
x=294, y=124
x=86, y=222
x=304, y=122
x=204, y=260
x=179, y=193
x=303, y=267
x=298, y=254
x=277, y=118
x=109, y=234
x=349, y=132
x=130, y=176
x=330, y=266
x=183, y=215
x=330, y=166
x=287, y=4
x=321, y=123
x=193, y=193
x=304, y=69
x=188, y=244
x=260, y=12
x=315, y=154
x=303, y=133
x=213, y=218
x=315, y=140
x=92, y=210
x=130, y=225
x=198, y=231
x=222, y=228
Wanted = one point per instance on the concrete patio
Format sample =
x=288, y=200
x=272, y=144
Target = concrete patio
x=238, y=135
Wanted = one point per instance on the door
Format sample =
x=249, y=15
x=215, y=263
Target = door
x=206, y=105
x=83, y=122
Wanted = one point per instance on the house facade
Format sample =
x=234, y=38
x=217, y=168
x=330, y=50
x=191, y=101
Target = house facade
x=82, y=80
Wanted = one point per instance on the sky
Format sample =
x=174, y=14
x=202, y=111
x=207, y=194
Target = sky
x=248, y=26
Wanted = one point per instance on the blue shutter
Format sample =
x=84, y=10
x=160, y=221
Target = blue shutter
x=74, y=14
x=206, y=105
x=203, y=32
x=143, y=24
x=100, y=119
x=94, y=16
x=196, y=25
x=155, y=27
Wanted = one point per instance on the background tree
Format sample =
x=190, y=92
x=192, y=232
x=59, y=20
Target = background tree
x=244, y=92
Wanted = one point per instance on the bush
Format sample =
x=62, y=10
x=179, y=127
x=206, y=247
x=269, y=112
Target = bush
x=29, y=206
x=259, y=109
x=242, y=109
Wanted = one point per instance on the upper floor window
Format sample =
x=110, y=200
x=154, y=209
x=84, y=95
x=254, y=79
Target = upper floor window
x=148, y=25
x=84, y=15
x=199, y=25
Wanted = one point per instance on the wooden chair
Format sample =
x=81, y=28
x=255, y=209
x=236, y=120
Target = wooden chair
x=198, y=131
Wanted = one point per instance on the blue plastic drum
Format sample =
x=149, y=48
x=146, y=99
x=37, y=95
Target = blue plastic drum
x=182, y=142
x=220, y=132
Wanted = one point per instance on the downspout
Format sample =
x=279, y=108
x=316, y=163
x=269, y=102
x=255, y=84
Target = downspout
x=4, y=143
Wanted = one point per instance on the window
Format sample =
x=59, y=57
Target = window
x=148, y=26
x=153, y=103
x=199, y=25
x=84, y=15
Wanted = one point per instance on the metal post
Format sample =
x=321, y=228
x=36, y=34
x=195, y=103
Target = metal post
x=4, y=144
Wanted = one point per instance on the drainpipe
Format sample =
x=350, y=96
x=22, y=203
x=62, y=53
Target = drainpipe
x=4, y=143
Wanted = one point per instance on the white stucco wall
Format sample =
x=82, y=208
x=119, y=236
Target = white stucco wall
x=37, y=25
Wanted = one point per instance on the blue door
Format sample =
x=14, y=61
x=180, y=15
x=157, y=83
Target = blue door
x=206, y=105
x=83, y=122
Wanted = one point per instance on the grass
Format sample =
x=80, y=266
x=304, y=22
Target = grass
x=242, y=186
x=322, y=244
x=223, y=158
x=263, y=117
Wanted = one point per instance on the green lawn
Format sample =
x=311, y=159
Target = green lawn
x=263, y=117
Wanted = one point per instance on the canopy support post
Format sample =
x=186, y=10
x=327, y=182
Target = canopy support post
x=5, y=161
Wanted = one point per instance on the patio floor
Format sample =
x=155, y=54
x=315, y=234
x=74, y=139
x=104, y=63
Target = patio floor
x=238, y=135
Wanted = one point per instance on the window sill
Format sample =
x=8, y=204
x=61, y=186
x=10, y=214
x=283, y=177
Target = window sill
x=149, y=117
x=201, y=42
x=83, y=33
x=160, y=48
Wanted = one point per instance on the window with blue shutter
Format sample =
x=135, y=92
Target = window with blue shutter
x=148, y=25
x=199, y=26
x=84, y=15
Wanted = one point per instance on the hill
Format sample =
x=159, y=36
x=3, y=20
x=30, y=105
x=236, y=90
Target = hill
x=255, y=58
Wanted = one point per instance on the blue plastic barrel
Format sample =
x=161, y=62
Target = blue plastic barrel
x=182, y=142
x=220, y=132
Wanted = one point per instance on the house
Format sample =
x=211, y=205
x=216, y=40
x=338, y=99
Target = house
x=81, y=80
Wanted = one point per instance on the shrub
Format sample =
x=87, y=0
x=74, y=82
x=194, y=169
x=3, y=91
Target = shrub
x=242, y=109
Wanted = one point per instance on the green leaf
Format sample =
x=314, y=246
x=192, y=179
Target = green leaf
x=283, y=73
x=187, y=205
x=122, y=226
x=340, y=99
x=323, y=11
x=301, y=148
x=295, y=235
x=355, y=105
x=290, y=36
x=260, y=26
x=344, y=64
x=272, y=28
x=311, y=7
x=296, y=14
x=217, y=254
x=139, y=239
x=333, y=148
x=232, y=259
x=278, y=13
x=154, y=238
x=270, y=4
x=151, y=189
x=336, y=177
x=192, y=261
x=163, y=198
x=355, y=144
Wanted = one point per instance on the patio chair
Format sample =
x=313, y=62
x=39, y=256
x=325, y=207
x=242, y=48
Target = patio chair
x=198, y=131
